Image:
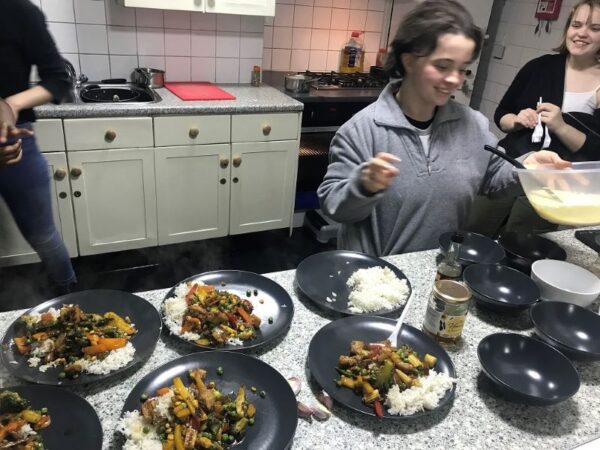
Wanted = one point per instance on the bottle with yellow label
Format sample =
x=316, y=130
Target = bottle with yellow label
x=447, y=311
x=353, y=55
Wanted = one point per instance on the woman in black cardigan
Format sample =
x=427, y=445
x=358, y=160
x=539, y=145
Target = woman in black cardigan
x=569, y=85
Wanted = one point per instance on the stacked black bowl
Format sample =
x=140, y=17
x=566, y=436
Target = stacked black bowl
x=500, y=288
x=475, y=248
x=522, y=250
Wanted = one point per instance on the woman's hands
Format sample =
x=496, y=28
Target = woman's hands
x=551, y=115
x=10, y=153
x=379, y=172
x=546, y=157
x=527, y=118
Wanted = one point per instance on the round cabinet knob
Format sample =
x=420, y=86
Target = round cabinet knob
x=237, y=161
x=235, y=179
x=110, y=135
x=77, y=194
x=60, y=174
x=62, y=195
x=194, y=132
x=267, y=130
x=222, y=181
x=224, y=163
x=75, y=172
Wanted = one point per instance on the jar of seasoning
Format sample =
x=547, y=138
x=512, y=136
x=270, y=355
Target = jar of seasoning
x=447, y=310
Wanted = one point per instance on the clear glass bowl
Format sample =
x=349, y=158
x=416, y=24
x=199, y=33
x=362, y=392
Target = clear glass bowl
x=565, y=197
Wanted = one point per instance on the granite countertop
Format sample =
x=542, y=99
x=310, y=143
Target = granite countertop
x=249, y=99
x=476, y=419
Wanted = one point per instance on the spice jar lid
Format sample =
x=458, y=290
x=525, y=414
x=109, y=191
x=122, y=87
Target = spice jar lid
x=452, y=291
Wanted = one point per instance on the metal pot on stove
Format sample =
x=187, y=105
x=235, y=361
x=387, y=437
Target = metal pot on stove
x=297, y=83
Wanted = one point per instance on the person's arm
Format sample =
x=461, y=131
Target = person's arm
x=40, y=49
x=342, y=193
x=509, y=115
x=552, y=116
x=9, y=153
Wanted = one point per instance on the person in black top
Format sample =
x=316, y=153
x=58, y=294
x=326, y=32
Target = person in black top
x=569, y=85
x=25, y=183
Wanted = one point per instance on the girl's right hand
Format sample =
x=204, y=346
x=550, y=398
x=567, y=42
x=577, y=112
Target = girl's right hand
x=527, y=118
x=379, y=172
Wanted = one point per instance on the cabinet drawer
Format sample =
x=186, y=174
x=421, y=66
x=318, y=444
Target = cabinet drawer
x=49, y=135
x=107, y=133
x=191, y=130
x=264, y=127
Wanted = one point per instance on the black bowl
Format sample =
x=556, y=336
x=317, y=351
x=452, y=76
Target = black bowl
x=522, y=250
x=573, y=330
x=501, y=288
x=527, y=370
x=475, y=249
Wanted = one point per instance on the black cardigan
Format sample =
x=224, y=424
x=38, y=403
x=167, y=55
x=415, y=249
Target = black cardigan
x=545, y=77
x=24, y=42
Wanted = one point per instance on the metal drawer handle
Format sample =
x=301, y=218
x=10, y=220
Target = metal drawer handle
x=237, y=161
x=267, y=130
x=75, y=172
x=60, y=174
x=194, y=132
x=110, y=135
x=224, y=163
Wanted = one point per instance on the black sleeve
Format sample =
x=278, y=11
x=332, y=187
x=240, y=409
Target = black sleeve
x=42, y=52
x=510, y=102
x=590, y=126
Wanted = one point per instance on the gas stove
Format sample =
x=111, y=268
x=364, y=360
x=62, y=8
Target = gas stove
x=336, y=80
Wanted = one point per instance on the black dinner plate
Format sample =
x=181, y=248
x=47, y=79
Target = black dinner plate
x=277, y=304
x=276, y=417
x=475, y=249
x=73, y=422
x=322, y=274
x=334, y=340
x=141, y=312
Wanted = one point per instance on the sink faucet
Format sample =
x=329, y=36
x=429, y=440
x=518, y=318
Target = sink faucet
x=76, y=81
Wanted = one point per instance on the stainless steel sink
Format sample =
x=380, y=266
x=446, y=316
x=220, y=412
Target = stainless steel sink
x=122, y=93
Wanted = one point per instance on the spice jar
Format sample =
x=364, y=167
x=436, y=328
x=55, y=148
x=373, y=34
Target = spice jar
x=447, y=310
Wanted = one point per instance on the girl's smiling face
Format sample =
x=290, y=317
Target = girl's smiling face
x=583, y=34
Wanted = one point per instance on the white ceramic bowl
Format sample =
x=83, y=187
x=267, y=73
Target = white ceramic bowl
x=561, y=281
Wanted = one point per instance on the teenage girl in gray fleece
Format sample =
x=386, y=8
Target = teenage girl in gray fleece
x=406, y=168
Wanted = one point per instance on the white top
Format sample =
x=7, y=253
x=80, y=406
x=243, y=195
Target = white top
x=424, y=136
x=585, y=102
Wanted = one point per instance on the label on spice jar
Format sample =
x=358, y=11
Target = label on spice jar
x=444, y=325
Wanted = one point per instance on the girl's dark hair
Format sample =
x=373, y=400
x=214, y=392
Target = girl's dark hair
x=562, y=48
x=420, y=29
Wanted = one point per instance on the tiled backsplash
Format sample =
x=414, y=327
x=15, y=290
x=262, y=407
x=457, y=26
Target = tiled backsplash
x=309, y=34
x=105, y=40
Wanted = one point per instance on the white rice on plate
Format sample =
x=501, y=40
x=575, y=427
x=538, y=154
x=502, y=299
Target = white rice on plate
x=375, y=289
x=132, y=426
x=432, y=389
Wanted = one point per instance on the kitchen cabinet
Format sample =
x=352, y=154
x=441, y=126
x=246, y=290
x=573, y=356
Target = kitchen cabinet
x=14, y=249
x=114, y=199
x=192, y=192
x=242, y=7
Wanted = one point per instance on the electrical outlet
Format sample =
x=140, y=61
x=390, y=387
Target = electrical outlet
x=498, y=51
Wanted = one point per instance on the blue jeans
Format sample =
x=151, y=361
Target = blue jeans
x=25, y=188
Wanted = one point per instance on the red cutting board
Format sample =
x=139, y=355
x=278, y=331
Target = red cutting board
x=201, y=90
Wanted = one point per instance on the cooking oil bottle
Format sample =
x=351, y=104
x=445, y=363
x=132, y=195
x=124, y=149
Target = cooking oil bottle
x=353, y=55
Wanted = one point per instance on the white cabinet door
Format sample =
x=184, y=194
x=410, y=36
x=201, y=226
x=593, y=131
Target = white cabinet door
x=192, y=190
x=13, y=247
x=187, y=5
x=244, y=7
x=263, y=176
x=114, y=199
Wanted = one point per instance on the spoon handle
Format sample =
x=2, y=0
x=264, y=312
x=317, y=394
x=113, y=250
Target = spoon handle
x=504, y=156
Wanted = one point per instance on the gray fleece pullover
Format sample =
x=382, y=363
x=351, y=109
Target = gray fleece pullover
x=431, y=195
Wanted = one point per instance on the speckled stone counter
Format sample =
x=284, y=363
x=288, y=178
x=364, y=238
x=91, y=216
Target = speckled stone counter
x=249, y=99
x=477, y=418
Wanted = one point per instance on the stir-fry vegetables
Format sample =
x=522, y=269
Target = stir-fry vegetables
x=70, y=337
x=19, y=423
x=218, y=316
x=372, y=369
x=198, y=415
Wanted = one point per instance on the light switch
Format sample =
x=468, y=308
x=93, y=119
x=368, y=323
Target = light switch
x=498, y=51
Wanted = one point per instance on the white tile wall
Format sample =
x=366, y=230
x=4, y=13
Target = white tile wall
x=309, y=34
x=516, y=32
x=103, y=39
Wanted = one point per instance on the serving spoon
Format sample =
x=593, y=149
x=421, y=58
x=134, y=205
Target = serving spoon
x=519, y=165
x=393, y=338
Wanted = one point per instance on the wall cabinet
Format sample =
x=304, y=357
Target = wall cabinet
x=14, y=249
x=243, y=7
